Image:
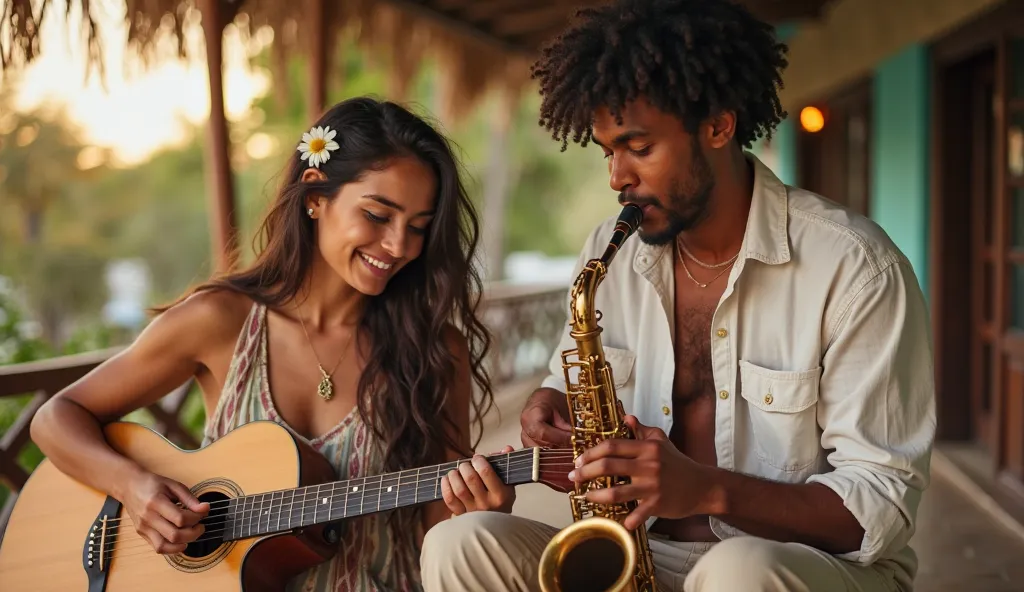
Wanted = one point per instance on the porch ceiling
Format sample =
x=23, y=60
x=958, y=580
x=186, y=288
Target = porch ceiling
x=481, y=42
x=523, y=26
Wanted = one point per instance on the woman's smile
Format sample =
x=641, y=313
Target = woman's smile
x=378, y=267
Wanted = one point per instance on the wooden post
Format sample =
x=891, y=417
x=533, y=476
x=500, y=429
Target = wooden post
x=220, y=181
x=496, y=183
x=317, y=96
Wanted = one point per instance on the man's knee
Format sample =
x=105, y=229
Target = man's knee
x=744, y=563
x=454, y=537
x=482, y=551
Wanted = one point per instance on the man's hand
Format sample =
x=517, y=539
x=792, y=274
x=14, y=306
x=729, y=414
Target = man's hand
x=545, y=420
x=668, y=483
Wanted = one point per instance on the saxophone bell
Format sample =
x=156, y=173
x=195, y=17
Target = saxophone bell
x=593, y=555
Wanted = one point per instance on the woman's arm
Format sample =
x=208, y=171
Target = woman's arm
x=68, y=428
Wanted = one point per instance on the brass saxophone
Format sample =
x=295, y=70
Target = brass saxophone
x=596, y=552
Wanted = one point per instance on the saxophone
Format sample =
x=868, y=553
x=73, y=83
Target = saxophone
x=596, y=552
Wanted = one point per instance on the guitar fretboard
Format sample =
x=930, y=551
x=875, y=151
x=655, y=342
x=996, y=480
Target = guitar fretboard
x=279, y=511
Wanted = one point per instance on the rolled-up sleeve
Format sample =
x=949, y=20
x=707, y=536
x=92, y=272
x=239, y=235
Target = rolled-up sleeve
x=877, y=407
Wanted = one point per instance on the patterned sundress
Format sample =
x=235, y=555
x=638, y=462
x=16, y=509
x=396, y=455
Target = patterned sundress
x=368, y=558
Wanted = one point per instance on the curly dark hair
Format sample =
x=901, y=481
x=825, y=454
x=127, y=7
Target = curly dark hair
x=690, y=58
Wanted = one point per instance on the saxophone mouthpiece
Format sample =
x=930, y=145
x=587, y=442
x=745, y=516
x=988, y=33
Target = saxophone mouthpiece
x=629, y=220
x=631, y=215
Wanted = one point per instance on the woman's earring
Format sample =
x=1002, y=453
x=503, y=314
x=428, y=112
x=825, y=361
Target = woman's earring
x=310, y=212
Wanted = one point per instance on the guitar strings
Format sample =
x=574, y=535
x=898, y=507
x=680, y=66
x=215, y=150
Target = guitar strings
x=142, y=547
x=380, y=479
x=143, y=544
x=519, y=457
x=335, y=492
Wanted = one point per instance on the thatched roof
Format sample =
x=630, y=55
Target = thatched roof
x=480, y=42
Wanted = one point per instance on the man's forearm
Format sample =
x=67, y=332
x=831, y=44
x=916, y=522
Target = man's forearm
x=811, y=514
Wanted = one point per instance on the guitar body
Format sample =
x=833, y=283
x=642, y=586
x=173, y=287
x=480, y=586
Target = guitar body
x=45, y=546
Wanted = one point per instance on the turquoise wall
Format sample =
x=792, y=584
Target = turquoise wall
x=784, y=144
x=900, y=153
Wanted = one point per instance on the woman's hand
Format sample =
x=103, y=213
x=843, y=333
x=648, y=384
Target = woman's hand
x=475, y=487
x=153, y=501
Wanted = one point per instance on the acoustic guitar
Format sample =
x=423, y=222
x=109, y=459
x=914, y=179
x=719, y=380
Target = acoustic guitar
x=275, y=511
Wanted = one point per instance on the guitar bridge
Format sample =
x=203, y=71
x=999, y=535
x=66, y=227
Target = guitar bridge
x=98, y=550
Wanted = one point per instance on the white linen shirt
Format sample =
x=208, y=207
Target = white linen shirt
x=822, y=357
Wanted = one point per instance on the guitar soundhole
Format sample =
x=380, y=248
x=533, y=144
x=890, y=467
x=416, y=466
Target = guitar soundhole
x=215, y=521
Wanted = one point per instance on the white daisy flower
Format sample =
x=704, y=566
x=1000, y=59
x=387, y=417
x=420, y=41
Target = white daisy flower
x=317, y=144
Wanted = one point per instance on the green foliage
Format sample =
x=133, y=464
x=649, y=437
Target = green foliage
x=17, y=340
x=18, y=344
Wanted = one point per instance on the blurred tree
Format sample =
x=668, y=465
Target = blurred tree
x=45, y=167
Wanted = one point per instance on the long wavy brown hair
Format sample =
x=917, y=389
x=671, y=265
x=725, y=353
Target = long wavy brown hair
x=410, y=370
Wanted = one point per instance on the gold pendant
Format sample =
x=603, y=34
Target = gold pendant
x=325, y=389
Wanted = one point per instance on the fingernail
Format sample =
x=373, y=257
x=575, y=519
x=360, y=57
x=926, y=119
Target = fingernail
x=572, y=475
x=578, y=462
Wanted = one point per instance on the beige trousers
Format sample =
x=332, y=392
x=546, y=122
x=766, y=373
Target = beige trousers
x=495, y=552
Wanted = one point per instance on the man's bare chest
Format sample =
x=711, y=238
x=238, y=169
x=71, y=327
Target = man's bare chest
x=694, y=312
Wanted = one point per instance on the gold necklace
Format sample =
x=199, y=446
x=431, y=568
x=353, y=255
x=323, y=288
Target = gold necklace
x=679, y=243
x=689, y=275
x=325, y=389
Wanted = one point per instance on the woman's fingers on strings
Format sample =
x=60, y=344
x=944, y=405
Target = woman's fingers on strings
x=450, y=499
x=184, y=495
x=159, y=543
x=176, y=515
x=461, y=489
x=479, y=476
x=174, y=535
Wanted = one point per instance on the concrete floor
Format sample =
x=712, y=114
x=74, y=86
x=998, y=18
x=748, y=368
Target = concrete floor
x=961, y=547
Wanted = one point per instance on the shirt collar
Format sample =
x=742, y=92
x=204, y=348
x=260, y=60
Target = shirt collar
x=766, y=237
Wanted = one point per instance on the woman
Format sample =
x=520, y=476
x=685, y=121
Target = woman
x=343, y=330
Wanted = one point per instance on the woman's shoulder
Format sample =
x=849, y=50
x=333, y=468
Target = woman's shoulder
x=455, y=340
x=210, y=314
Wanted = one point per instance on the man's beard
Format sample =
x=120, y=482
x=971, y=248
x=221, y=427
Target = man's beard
x=685, y=209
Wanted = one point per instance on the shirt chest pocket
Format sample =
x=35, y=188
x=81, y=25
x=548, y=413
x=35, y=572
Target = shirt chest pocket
x=783, y=408
x=622, y=362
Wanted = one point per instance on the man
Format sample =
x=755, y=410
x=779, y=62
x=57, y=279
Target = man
x=773, y=346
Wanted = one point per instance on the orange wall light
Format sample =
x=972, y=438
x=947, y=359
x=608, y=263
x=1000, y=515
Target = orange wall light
x=812, y=119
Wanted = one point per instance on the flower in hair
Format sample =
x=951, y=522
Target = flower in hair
x=317, y=144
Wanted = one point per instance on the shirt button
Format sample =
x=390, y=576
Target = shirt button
x=722, y=332
x=666, y=410
x=768, y=399
x=723, y=395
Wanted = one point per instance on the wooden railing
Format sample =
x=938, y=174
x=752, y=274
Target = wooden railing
x=525, y=322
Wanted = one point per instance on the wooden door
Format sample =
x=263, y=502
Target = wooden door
x=1007, y=257
x=983, y=176
x=835, y=161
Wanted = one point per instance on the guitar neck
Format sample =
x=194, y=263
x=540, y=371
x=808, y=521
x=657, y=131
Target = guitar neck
x=280, y=511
